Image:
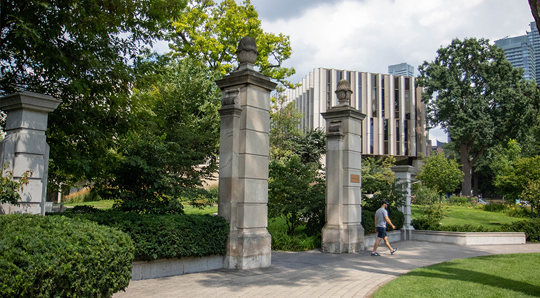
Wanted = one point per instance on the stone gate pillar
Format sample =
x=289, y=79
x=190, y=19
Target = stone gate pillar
x=404, y=174
x=343, y=231
x=243, y=164
x=25, y=148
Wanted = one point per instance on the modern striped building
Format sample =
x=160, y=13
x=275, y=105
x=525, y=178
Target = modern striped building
x=395, y=122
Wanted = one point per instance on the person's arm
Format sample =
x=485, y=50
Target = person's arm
x=375, y=223
x=388, y=221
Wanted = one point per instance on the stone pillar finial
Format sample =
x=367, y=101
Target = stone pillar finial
x=343, y=92
x=247, y=52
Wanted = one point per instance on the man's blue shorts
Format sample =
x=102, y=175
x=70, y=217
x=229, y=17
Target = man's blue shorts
x=381, y=232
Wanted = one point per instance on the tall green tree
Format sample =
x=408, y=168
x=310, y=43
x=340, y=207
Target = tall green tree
x=79, y=51
x=440, y=174
x=174, y=145
x=209, y=32
x=476, y=96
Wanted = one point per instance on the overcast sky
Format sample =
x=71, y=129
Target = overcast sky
x=369, y=35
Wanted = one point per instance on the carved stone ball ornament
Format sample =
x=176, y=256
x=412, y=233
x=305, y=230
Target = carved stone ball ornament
x=343, y=92
x=247, y=50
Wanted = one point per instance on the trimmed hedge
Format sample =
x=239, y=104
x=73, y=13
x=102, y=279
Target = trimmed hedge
x=368, y=220
x=531, y=228
x=61, y=257
x=165, y=236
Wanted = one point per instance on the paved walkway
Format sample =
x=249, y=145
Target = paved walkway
x=314, y=274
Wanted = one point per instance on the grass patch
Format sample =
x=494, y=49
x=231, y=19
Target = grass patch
x=107, y=204
x=103, y=204
x=475, y=216
x=195, y=210
x=513, y=276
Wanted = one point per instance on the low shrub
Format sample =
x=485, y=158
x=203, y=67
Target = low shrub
x=464, y=228
x=530, y=227
x=368, y=221
x=165, y=236
x=424, y=223
x=518, y=211
x=495, y=207
x=396, y=217
x=52, y=256
x=281, y=240
x=455, y=200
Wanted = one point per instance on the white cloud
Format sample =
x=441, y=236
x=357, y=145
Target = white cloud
x=369, y=35
x=372, y=34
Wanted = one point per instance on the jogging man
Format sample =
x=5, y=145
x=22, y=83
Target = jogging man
x=381, y=218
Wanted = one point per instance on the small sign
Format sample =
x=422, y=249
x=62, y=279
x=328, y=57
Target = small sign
x=355, y=178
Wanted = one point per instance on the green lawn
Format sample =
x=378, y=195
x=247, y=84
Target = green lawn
x=513, y=276
x=107, y=204
x=104, y=204
x=461, y=215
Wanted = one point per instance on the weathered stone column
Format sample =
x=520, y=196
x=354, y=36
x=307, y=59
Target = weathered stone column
x=243, y=170
x=403, y=173
x=25, y=148
x=343, y=231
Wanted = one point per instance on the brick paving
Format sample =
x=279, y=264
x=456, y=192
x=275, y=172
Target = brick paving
x=314, y=274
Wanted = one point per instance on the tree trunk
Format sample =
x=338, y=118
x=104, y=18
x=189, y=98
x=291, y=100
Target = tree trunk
x=475, y=183
x=535, y=8
x=466, y=168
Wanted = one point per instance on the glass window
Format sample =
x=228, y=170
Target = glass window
x=359, y=86
x=371, y=135
x=374, y=96
x=339, y=76
x=348, y=76
x=328, y=89
x=382, y=96
x=396, y=97
x=397, y=137
x=385, y=122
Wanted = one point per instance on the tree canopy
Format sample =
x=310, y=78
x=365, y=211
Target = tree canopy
x=477, y=97
x=79, y=51
x=94, y=56
x=440, y=174
x=210, y=33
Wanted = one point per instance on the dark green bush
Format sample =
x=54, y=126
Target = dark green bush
x=424, y=223
x=368, y=221
x=62, y=257
x=396, y=217
x=166, y=236
x=494, y=207
x=530, y=227
x=458, y=200
x=465, y=228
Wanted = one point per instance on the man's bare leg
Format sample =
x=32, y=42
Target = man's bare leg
x=387, y=244
x=376, y=244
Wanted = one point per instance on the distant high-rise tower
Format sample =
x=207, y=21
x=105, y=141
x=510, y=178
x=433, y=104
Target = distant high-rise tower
x=524, y=51
x=402, y=69
x=534, y=40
